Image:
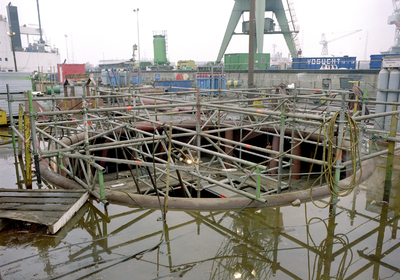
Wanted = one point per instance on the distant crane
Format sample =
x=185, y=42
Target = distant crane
x=395, y=19
x=324, y=42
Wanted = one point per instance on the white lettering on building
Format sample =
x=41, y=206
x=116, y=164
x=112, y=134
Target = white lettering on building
x=329, y=61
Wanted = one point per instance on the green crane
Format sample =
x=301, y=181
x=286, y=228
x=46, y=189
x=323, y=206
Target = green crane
x=286, y=19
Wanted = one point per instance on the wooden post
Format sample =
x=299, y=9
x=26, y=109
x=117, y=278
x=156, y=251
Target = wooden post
x=20, y=128
x=28, y=159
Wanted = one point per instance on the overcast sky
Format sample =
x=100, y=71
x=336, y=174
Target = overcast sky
x=108, y=29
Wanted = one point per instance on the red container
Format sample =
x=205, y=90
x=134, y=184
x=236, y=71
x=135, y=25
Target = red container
x=64, y=69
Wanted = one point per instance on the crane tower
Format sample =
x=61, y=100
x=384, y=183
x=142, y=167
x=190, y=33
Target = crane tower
x=395, y=19
x=286, y=18
x=324, y=42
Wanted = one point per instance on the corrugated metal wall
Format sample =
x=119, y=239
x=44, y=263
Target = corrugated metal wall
x=17, y=82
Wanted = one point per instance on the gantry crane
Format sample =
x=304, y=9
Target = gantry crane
x=324, y=42
x=286, y=18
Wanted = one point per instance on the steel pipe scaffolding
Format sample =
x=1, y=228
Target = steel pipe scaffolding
x=228, y=148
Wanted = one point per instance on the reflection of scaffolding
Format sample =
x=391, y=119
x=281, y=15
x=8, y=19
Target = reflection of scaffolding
x=218, y=144
x=253, y=245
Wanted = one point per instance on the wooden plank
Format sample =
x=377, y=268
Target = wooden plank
x=33, y=207
x=60, y=235
x=30, y=217
x=53, y=208
x=36, y=200
x=11, y=213
x=68, y=215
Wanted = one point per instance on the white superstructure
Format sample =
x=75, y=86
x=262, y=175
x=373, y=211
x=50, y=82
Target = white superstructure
x=31, y=56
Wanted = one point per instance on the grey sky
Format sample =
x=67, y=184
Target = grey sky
x=97, y=29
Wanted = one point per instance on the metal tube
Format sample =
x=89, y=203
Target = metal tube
x=11, y=117
x=122, y=161
x=85, y=129
x=65, y=97
x=20, y=136
x=98, y=135
x=228, y=147
x=264, y=150
x=252, y=40
x=52, y=138
x=258, y=193
x=198, y=133
x=366, y=117
x=83, y=184
x=281, y=146
x=113, y=109
x=16, y=153
x=168, y=172
x=339, y=152
x=229, y=187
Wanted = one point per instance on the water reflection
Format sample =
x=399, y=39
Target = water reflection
x=359, y=242
x=375, y=259
x=280, y=243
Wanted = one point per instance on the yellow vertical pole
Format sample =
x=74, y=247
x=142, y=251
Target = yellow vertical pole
x=28, y=159
x=96, y=100
x=20, y=128
x=355, y=108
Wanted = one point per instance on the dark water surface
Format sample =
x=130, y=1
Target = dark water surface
x=360, y=242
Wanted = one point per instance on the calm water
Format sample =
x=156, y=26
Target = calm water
x=120, y=242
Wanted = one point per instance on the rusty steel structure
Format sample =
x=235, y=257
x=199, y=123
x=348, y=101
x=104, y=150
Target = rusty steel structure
x=245, y=146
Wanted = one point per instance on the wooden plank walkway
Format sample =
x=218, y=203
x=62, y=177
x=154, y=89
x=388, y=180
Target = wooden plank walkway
x=53, y=208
